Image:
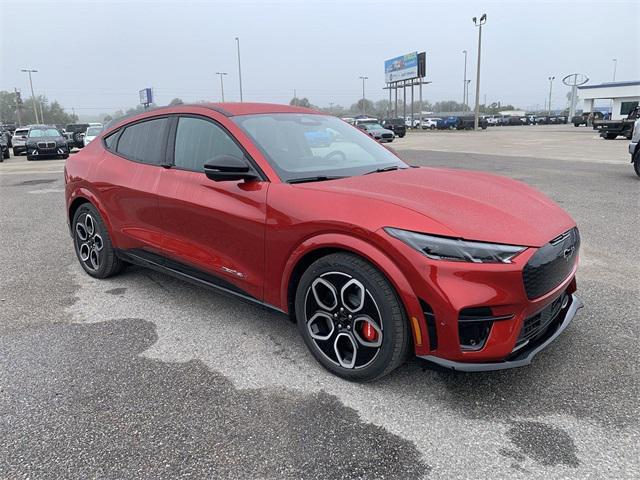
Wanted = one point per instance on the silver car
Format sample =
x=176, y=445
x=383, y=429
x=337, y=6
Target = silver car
x=19, y=141
x=377, y=131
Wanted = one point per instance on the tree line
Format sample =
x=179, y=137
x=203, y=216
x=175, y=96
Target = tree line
x=15, y=110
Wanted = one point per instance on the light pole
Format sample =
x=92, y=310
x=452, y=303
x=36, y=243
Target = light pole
x=239, y=67
x=483, y=20
x=363, y=97
x=222, y=74
x=466, y=100
x=615, y=66
x=551, y=79
x=33, y=96
x=464, y=85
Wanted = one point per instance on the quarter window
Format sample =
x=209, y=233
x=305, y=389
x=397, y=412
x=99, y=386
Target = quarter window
x=199, y=141
x=144, y=141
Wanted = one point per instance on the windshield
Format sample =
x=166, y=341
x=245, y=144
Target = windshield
x=299, y=145
x=20, y=133
x=93, y=131
x=43, y=132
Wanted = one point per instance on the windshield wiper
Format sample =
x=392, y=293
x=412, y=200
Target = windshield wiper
x=318, y=178
x=383, y=169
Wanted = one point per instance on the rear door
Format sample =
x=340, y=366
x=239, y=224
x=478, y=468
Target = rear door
x=214, y=231
x=127, y=178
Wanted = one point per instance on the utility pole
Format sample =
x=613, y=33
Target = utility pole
x=18, y=106
x=222, y=74
x=239, y=67
x=615, y=66
x=483, y=20
x=464, y=85
x=41, y=114
x=363, y=97
x=33, y=96
x=551, y=79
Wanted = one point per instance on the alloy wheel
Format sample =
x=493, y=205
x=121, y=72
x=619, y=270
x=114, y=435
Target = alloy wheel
x=343, y=320
x=89, y=242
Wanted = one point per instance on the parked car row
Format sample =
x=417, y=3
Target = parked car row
x=38, y=140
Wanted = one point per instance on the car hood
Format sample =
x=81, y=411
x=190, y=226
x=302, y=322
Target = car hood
x=46, y=139
x=470, y=205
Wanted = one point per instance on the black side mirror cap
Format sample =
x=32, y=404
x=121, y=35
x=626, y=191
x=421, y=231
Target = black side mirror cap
x=229, y=168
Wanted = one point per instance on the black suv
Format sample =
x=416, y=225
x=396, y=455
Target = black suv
x=46, y=141
x=4, y=147
x=75, y=134
x=396, y=125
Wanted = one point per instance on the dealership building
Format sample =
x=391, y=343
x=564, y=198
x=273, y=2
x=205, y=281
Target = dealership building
x=625, y=96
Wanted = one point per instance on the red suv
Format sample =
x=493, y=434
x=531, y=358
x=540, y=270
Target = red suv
x=372, y=258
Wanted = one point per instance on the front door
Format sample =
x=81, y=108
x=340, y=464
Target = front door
x=214, y=228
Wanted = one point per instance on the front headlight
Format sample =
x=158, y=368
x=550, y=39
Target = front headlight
x=455, y=249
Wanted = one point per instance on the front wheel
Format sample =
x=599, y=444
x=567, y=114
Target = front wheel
x=610, y=136
x=351, y=318
x=92, y=243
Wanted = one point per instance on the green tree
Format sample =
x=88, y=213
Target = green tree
x=176, y=101
x=301, y=102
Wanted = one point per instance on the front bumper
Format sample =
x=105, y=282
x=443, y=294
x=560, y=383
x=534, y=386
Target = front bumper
x=523, y=356
x=47, y=152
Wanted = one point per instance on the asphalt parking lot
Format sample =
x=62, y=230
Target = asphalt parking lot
x=145, y=376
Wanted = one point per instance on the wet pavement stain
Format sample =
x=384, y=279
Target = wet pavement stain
x=546, y=444
x=105, y=411
x=33, y=182
x=117, y=291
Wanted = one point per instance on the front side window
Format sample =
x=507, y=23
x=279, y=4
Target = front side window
x=199, y=141
x=627, y=107
x=144, y=141
x=299, y=145
x=93, y=131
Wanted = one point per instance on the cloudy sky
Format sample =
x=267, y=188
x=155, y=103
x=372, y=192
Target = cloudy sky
x=94, y=56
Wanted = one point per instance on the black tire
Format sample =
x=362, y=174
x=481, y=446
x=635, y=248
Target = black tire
x=402, y=136
x=65, y=156
x=378, y=302
x=6, y=154
x=16, y=152
x=432, y=127
x=30, y=158
x=610, y=136
x=105, y=263
x=636, y=162
x=77, y=138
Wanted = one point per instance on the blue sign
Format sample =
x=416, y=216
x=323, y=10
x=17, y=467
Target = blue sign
x=146, y=96
x=403, y=67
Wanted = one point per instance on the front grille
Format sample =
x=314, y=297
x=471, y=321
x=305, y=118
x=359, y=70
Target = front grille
x=387, y=135
x=46, y=145
x=537, y=325
x=551, y=264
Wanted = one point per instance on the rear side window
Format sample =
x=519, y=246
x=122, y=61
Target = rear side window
x=110, y=141
x=199, y=141
x=144, y=141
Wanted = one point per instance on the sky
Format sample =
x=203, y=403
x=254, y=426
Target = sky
x=94, y=56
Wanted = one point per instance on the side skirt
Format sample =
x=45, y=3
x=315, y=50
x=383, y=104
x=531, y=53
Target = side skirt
x=190, y=274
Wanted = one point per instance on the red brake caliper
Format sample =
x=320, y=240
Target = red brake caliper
x=368, y=332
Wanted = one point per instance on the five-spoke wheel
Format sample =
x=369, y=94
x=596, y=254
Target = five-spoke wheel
x=350, y=317
x=92, y=243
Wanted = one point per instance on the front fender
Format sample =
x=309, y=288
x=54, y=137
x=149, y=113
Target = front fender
x=378, y=258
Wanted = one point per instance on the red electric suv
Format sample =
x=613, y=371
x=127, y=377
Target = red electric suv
x=305, y=214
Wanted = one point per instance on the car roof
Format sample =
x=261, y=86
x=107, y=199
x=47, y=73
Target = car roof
x=228, y=109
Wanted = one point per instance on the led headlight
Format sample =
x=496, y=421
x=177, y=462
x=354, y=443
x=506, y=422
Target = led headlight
x=456, y=250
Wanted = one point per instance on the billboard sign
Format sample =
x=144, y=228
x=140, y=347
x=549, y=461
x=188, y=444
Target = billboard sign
x=400, y=68
x=146, y=96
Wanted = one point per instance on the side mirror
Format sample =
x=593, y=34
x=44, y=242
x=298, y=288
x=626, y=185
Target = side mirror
x=229, y=168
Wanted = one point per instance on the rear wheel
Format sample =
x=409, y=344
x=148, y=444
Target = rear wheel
x=6, y=154
x=30, y=158
x=351, y=318
x=636, y=162
x=92, y=243
x=610, y=136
